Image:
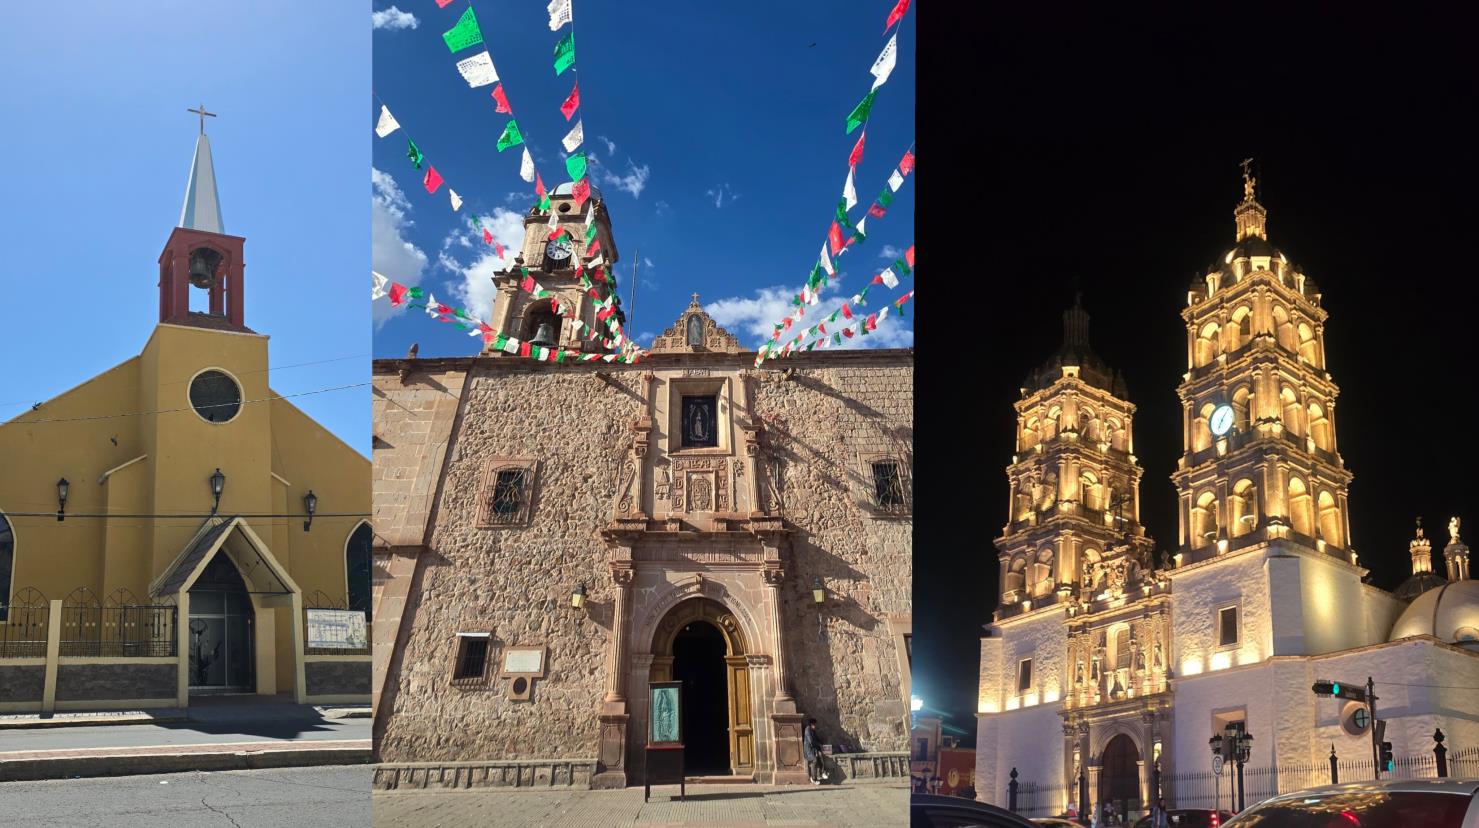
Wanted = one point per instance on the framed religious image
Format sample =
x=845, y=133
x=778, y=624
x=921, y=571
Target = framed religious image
x=665, y=713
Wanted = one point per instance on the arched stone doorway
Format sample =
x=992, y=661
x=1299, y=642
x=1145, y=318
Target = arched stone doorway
x=1119, y=775
x=700, y=643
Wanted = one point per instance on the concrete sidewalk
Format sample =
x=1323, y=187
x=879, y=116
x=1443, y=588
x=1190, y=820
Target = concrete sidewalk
x=216, y=734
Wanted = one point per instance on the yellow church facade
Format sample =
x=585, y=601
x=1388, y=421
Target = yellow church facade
x=174, y=527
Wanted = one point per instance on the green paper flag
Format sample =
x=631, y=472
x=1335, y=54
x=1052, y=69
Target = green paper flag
x=565, y=53
x=842, y=214
x=511, y=136
x=416, y=293
x=837, y=339
x=414, y=153
x=590, y=233
x=464, y=34
x=860, y=112
x=886, y=197
x=499, y=342
x=575, y=165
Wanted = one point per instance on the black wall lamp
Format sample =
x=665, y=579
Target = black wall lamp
x=818, y=592
x=62, y=487
x=577, y=598
x=310, y=505
x=218, y=485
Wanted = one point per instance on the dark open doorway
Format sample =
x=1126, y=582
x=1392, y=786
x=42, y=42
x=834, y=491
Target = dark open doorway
x=221, y=621
x=698, y=662
x=1119, y=779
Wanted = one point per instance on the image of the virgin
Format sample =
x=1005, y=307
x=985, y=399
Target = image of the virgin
x=698, y=424
x=664, y=715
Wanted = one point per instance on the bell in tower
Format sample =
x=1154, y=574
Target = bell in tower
x=545, y=336
x=203, y=263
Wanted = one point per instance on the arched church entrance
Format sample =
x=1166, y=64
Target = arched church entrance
x=1119, y=775
x=221, y=634
x=699, y=643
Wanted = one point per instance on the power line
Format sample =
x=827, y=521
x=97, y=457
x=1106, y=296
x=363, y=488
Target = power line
x=239, y=373
x=173, y=410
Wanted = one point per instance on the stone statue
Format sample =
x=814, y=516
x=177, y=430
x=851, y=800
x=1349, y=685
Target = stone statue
x=1159, y=663
x=1453, y=529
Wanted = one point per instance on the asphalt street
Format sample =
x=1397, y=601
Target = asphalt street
x=261, y=724
x=297, y=797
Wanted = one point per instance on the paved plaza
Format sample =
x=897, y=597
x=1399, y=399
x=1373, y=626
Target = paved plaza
x=732, y=805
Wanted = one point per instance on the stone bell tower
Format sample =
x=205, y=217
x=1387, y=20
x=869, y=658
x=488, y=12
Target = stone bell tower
x=1260, y=459
x=558, y=250
x=199, y=255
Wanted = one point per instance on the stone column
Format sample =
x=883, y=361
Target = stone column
x=786, y=723
x=611, y=749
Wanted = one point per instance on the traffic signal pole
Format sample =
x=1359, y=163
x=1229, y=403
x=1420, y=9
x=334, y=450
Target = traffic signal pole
x=1375, y=741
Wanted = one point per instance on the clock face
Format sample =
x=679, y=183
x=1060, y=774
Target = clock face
x=1222, y=420
x=559, y=249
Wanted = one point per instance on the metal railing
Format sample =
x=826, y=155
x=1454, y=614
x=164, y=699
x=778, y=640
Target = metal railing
x=23, y=625
x=119, y=630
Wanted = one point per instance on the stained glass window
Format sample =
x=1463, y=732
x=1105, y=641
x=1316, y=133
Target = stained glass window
x=357, y=569
x=215, y=396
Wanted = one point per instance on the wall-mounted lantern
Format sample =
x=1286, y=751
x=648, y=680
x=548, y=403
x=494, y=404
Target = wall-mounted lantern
x=818, y=592
x=577, y=598
x=218, y=485
x=62, y=487
x=310, y=505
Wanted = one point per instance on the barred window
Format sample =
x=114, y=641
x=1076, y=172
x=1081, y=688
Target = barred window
x=888, y=486
x=471, y=664
x=509, y=502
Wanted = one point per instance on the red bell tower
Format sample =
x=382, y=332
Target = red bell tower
x=199, y=254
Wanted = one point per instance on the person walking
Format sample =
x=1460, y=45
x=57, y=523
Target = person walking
x=811, y=749
x=1158, y=816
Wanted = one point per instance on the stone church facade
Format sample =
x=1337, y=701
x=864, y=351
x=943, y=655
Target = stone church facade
x=1132, y=660
x=553, y=537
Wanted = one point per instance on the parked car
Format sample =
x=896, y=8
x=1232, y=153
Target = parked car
x=1056, y=822
x=1395, y=803
x=931, y=811
x=1190, y=818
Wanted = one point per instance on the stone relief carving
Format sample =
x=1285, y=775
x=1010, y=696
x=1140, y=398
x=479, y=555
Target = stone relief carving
x=664, y=480
x=699, y=493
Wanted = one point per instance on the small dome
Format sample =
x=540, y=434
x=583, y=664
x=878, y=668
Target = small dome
x=1418, y=584
x=564, y=189
x=1449, y=613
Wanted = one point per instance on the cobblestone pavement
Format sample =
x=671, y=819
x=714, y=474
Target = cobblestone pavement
x=708, y=805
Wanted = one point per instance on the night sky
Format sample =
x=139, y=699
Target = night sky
x=1105, y=159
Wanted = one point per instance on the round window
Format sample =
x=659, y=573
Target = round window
x=215, y=396
x=1355, y=718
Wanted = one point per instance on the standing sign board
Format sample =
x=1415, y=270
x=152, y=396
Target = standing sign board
x=334, y=629
x=665, y=736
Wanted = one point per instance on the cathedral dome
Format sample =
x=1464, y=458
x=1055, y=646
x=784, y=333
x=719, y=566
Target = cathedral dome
x=1449, y=613
x=1075, y=352
x=1418, y=584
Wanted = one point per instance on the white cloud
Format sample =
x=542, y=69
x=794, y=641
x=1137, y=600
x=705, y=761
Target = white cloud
x=610, y=144
x=633, y=182
x=393, y=18
x=888, y=251
x=390, y=253
x=662, y=208
x=648, y=262
x=753, y=320
x=720, y=193
x=475, y=291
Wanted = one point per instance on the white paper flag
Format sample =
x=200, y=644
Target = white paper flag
x=889, y=278
x=431, y=305
x=387, y=123
x=456, y=200
x=859, y=229
x=478, y=70
x=575, y=138
x=526, y=168
x=378, y=290
x=884, y=66
x=560, y=14
x=895, y=181
x=511, y=346
x=827, y=261
x=848, y=192
x=590, y=215
x=554, y=218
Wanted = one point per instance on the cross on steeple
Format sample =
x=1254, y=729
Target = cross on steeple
x=203, y=114
x=1248, y=180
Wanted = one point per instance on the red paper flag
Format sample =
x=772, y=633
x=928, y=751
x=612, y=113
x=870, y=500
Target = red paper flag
x=893, y=16
x=593, y=247
x=834, y=238
x=498, y=249
x=539, y=186
x=523, y=349
x=906, y=164
x=397, y=294
x=528, y=284
x=871, y=322
x=846, y=311
x=581, y=191
x=876, y=211
x=788, y=323
x=442, y=4
x=909, y=257
x=847, y=332
x=571, y=103
x=878, y=280
x=500, y=97
x=554, y=307
x=432, y=180
x=857, y=150
x=487, y=237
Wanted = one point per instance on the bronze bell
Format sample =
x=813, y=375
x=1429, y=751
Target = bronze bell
x=545, y=336
x=202, y=270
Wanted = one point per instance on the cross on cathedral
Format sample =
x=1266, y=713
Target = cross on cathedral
x=1248, y=179
x=203, y=114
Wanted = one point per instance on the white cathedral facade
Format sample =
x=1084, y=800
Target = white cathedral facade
x=1106, y=662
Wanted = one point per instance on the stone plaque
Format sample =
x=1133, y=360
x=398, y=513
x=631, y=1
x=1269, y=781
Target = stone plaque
x=333, y=629
x=524, y=661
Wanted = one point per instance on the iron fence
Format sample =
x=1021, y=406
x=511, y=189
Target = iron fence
x=1464, y=764
x=23, y=624
x=1207, y=790
x=119, y=630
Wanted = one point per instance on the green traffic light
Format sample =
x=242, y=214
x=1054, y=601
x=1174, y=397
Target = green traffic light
x=1335, y=688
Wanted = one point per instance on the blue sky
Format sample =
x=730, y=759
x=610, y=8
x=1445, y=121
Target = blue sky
x=718, y=132
x=99, y=145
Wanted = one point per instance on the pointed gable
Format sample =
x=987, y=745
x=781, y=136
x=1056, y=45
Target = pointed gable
x=695, y=332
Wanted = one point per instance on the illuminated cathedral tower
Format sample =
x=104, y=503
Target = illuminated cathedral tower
x=1260, y=460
